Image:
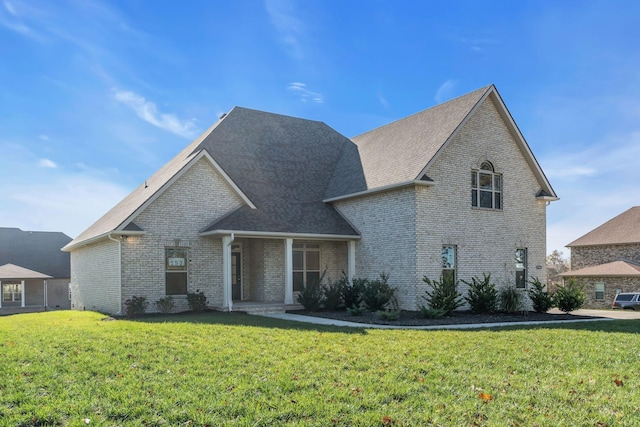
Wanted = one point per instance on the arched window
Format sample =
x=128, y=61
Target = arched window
x=486, y=187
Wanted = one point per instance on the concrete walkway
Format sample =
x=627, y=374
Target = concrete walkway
x=598, y=315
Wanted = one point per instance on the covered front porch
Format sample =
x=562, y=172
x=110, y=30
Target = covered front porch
x=22, y=290
x=265, y=273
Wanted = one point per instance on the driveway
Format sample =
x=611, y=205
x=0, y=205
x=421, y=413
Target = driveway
x=611, y=314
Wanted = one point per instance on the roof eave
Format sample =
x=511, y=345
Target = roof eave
x=103, y=236
x=277, y=234
x=390, y=187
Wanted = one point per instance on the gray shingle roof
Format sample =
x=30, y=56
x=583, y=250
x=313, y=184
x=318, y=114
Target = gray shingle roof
x=399, y=151
x=611, y=269
x=286, y=166
x=623, y=229
x=35, y=250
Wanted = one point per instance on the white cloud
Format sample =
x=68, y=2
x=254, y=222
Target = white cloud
x=594, y=185
x=10, y=8
x=444, y=92
x=290, y=27
x=148, y=112
x=43, y=137
x=53, y=198
x=46, y=163
x=305, y=94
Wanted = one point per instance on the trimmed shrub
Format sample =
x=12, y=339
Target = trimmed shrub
x=197, y=301
x=541, y=300
x=165, y=305
x=482, y=295
x=444, y=295
x=135, y=306
x=377, y=293
x=333, y=294
x=510, y=299
x=352, y=292
x=311, y=297
x=570, y=297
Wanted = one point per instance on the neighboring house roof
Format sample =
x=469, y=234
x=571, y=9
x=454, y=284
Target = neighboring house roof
x=35, y=250
x=623, y=229
x=15, y=272
x=611, y=269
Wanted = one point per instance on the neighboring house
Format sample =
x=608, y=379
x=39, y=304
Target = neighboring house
x=261, y=204
x=34, y=272
x=607, y=259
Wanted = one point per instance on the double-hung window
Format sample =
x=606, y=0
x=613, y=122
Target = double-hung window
x=521, y=268
x=306, y=265
x=176, y=270
x=600, y=291
x=449, y=263
x=486, y=187
x=11, y=292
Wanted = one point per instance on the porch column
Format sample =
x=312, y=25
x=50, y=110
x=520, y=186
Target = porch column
x=44, y=298
x=351, y=260
x=1, y=296
x=22, y=293
x=226, y=272
x=288, y=271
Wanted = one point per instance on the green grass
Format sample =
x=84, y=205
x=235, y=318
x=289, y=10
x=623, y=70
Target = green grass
x=60, y=368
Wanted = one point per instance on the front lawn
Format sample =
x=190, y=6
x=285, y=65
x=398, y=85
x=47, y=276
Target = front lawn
x=74, y=368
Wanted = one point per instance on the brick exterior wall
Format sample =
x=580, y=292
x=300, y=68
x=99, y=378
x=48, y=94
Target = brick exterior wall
x=193, y=201
x=611, y=285
x=403, y=231
x=97, y=269
x=587, y=256
x=387, y=223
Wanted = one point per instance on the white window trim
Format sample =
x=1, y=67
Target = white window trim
x=304, y=249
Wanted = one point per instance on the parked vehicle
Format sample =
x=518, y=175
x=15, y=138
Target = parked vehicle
x=628, y=300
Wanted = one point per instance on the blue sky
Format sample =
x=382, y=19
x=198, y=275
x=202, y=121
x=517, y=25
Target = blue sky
x=95, y=96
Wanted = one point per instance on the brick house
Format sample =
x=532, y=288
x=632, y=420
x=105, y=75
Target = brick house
x=34, y=273
x=607, y=259
x=261, y=204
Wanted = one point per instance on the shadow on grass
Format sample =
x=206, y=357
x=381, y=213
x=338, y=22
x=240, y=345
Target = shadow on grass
x=628, y=326
x=237, y=318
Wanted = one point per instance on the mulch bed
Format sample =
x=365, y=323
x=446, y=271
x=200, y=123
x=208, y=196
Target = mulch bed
x=413, y=318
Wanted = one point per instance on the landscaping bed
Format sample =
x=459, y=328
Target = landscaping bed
x=413, y=318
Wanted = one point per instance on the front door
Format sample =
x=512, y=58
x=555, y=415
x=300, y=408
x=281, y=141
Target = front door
x=236, y=276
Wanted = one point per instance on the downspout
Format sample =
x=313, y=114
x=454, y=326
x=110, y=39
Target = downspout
x=119, y=242
x=226, y=268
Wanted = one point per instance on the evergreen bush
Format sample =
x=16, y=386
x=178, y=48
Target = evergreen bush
x=570, y=297
x=443, y=296
x=482, y=295
x=541, y=300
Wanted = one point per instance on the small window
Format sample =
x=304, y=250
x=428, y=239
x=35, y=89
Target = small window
x=521, y=268
x=306, y=264
x=599, y=291
x=486, y=187
x=176, y=270
x=449, y=263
